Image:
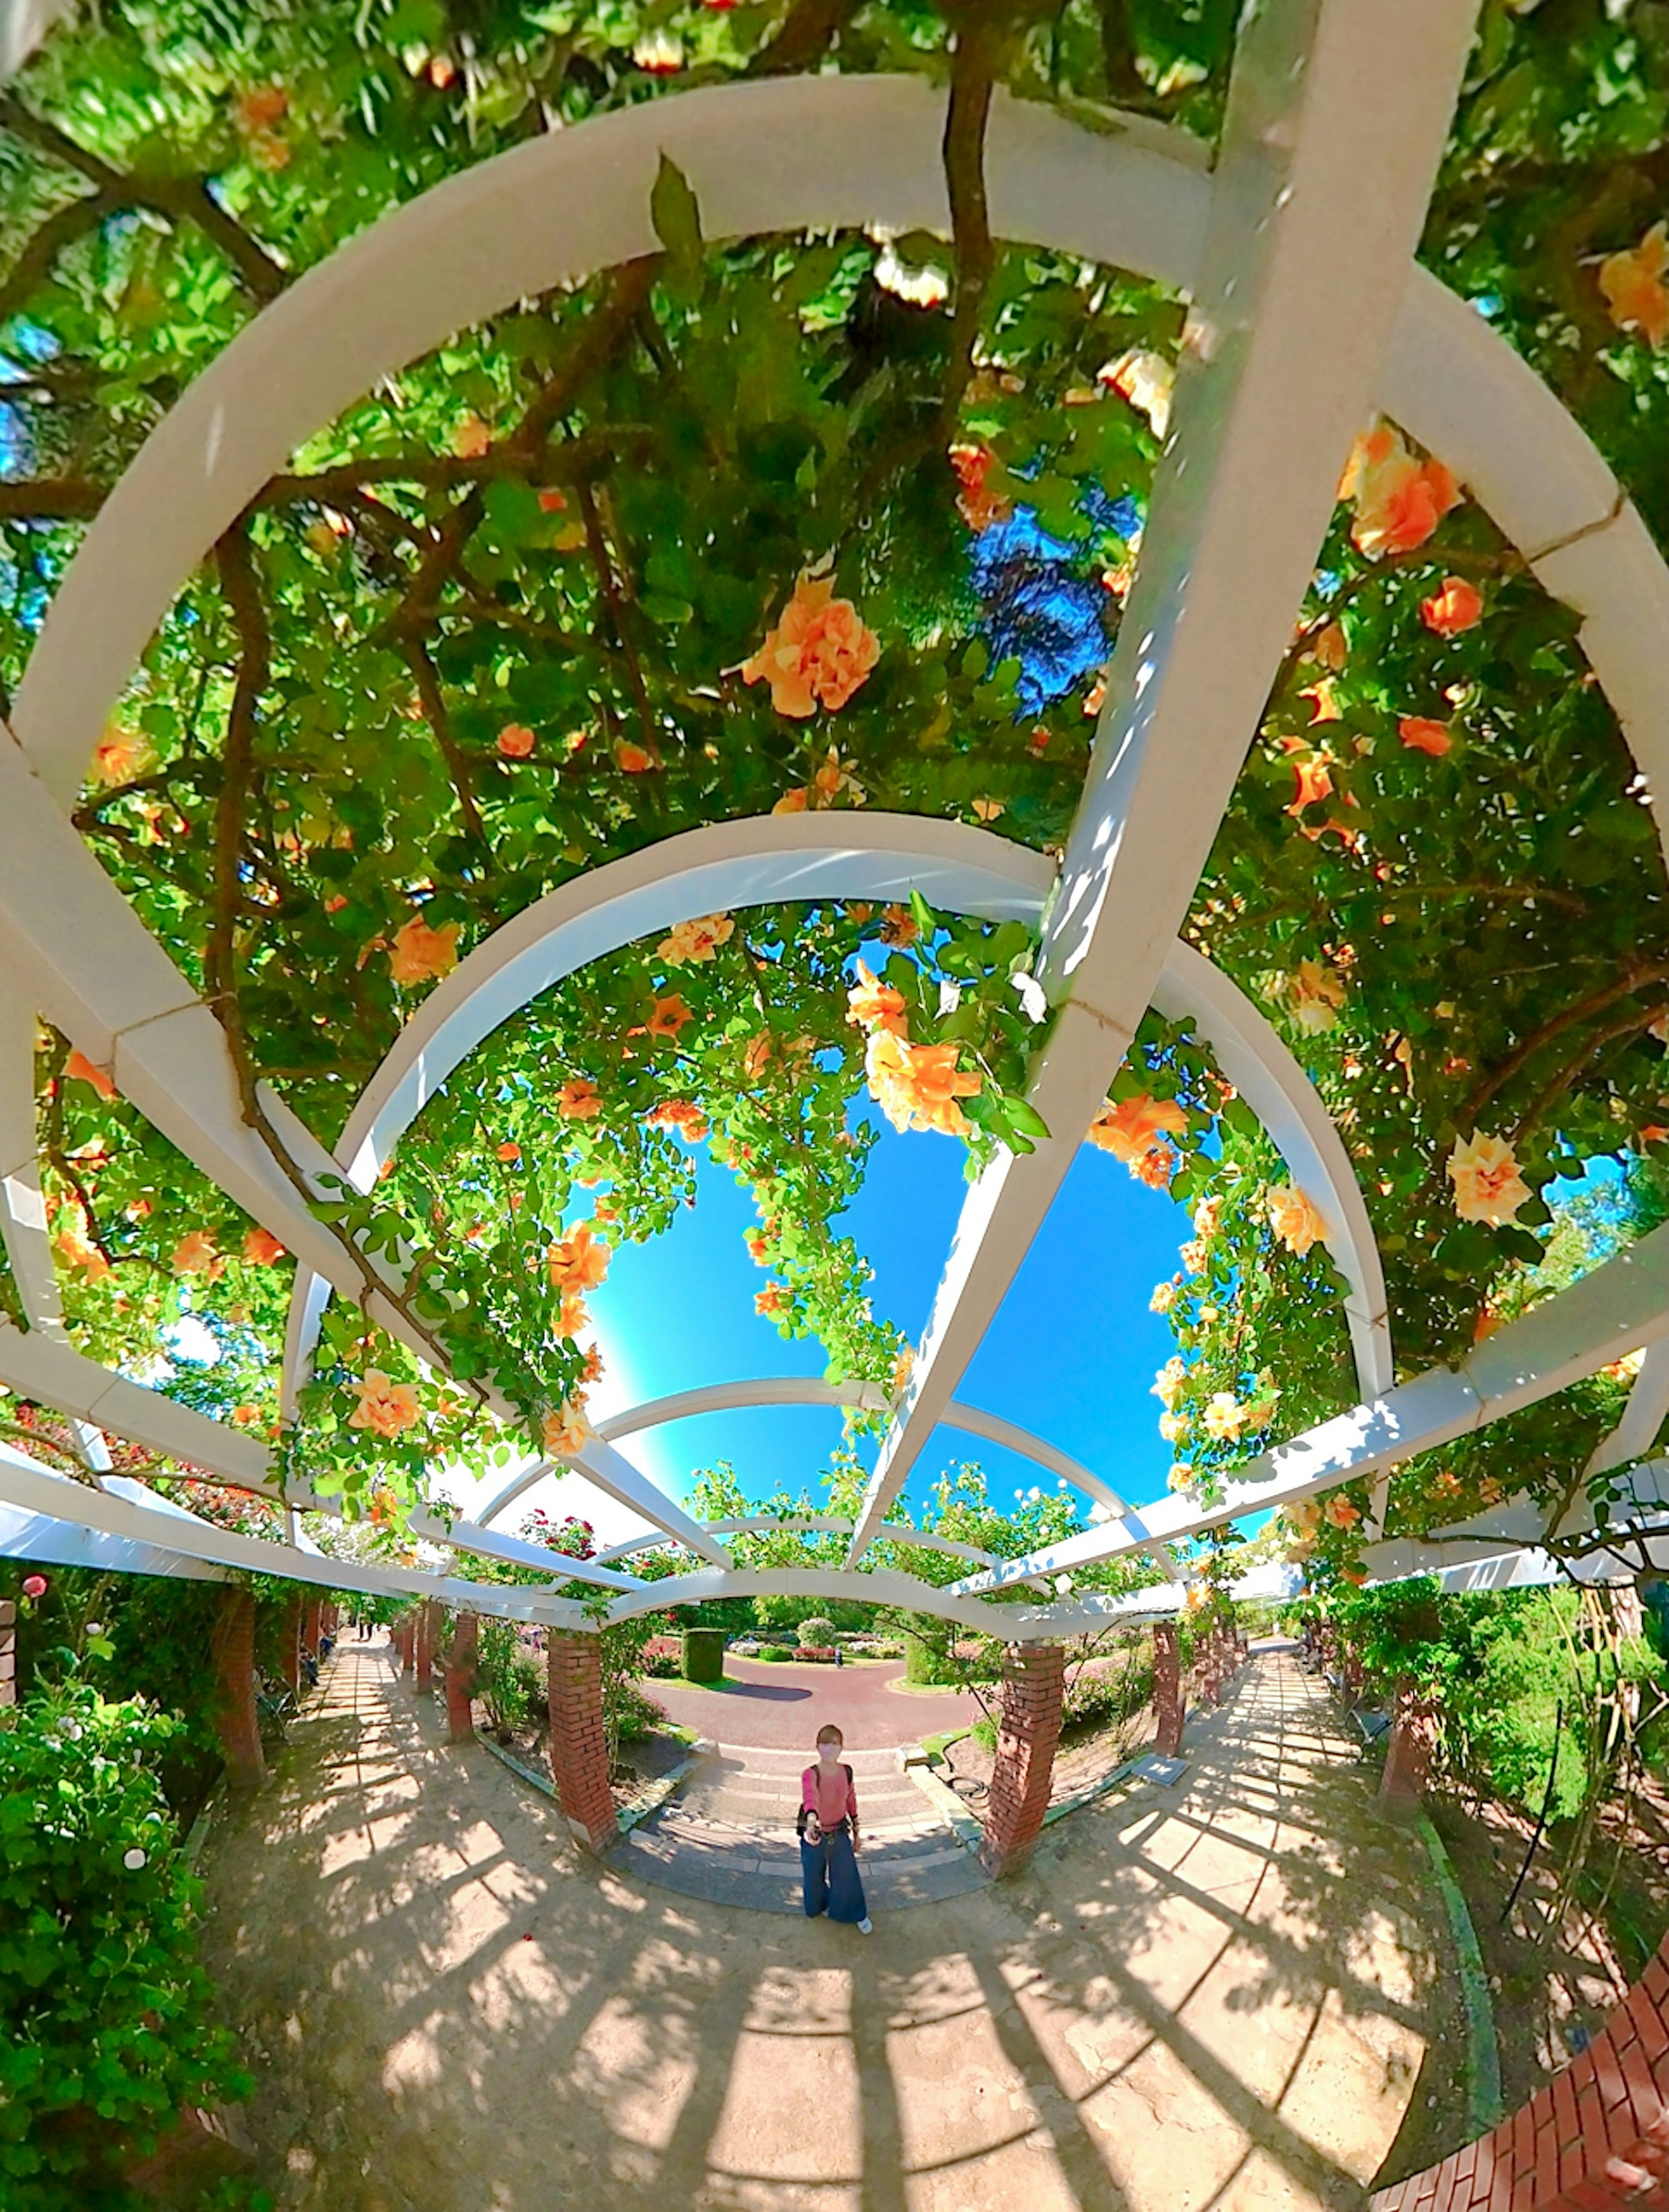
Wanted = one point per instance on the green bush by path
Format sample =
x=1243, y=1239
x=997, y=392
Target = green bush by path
x=105, y=2012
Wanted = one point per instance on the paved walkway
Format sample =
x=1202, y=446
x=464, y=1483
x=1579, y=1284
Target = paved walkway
x=779, y=1705
x=1213, y=1999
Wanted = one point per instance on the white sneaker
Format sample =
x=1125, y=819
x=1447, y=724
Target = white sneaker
x=866, y=1926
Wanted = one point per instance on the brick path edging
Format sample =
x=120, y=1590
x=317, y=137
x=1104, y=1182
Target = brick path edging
x=1597, y=2137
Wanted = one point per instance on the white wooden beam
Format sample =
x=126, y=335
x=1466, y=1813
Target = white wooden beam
x=1337, y=111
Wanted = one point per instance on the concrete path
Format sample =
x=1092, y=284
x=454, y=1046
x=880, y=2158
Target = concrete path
x=728, y=1836
x=779, y=1705
x=1210, y=2000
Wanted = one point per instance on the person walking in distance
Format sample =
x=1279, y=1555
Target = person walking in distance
x=828, y=1837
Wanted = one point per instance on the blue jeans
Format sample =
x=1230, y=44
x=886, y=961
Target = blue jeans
x=833, y=1883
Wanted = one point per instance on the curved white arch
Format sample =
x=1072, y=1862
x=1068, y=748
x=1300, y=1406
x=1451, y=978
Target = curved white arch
x=808, y=1524
x=815, y=152
x=764, y=859
x=820, y=152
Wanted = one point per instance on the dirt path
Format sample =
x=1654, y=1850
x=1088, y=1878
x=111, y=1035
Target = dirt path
x=1210, y=2000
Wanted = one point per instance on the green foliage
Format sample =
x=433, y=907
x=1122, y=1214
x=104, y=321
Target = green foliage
x=507, y=1678
x=819, y=1630
x=105, y=2014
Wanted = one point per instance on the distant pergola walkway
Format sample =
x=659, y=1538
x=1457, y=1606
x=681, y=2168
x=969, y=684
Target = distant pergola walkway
x=1307, y=314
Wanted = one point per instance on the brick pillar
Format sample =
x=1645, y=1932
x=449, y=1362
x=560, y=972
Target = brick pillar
x=289, y=1645
x=460, y=1678
x=408, y=1643
x=579, y=1750
x=313, y=1618
x=1408, y=1756
x=233, y=1646
x=1033, y=1676
x=1167, y=1691
x=1597, y=2135
x=427, y=1622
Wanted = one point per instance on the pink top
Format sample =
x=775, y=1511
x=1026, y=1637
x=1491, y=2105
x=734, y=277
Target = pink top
x=826, y=1791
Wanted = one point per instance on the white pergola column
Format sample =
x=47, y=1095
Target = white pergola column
x=1337, y=111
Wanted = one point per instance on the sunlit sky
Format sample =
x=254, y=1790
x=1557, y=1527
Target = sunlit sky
x=1071, y=1356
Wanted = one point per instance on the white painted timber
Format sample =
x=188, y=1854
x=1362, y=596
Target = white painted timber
x=45, y=1367
x=1337, y=114
x=1253, y=1058
x=49, y=1542
x=1642, y=1417
x=31, y=1488
x=489, y=1544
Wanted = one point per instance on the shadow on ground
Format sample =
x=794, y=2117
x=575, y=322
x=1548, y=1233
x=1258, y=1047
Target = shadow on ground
x=1207, y=2001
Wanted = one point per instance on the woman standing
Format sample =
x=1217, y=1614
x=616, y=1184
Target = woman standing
x=827, y=1828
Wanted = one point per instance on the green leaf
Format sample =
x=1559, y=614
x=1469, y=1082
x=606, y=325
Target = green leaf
x=678, y=220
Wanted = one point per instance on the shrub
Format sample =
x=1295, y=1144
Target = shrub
x=105, y=2026
x=634, y=1714
x=507, y=1678
x=663, y=1657
x=818, y=1631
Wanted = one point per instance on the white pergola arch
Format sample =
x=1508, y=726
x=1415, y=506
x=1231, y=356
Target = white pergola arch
x=1307, y=312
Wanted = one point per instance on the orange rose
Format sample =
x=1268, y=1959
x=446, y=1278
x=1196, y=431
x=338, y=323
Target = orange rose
x=565, y=1432
x=1314, y=782
x=772, y=1300
x=1422, y=735
x=670, y=1015
x=262, y=1249
x=1315, y=992
x=978, y=507
x=578, y=1262
x=1131, y=1129
x=678, y=1115
x=819, y=652
x=1295, y=1219
x=917, y=1085
x=515, y=741
x=80, y=1069
x=1399, y=500
x=696, y=940
x=873, y=1005
x=509, y=1152
x=385, y=1408
x=632, y=759
x=898, y=927
x=579, y=1100
x=1455, y=608
x=419, y=952
x=194, y=1254
x=1634, y=286
x=120, y=755
x=471, y=439
x=1488, y=1186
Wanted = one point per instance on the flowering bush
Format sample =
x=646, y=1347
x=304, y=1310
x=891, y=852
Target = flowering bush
x=104, y=2014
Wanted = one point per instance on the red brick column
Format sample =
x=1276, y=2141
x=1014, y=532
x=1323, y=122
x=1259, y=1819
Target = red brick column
x=425, y=1653
x=1408, y=1756
x=579, y=1750
x=1595, y=2138
x=1033, y=1676
x=233, y=1646
x=7, y=1652
x=405, y=1642
x=1167, y=1707
x=460, y=1678
x=289, y=1645
x=312, y=1615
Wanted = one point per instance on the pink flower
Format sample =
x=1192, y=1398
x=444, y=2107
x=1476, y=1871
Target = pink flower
x=34, y=1585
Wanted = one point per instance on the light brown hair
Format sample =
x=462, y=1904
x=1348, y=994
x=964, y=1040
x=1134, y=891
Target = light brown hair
x=829, y=1733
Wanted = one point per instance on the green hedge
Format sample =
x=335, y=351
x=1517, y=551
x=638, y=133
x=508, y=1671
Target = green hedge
x=704, y=1654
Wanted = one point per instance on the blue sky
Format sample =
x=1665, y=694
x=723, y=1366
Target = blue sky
x=1071, y=1356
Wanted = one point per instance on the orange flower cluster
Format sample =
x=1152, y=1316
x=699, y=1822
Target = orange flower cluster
x=1315, y=994
x=196, y=1254
x=262, y=1249
x=80, y=1069
x=1133, y=1129
x=419, y=953
x=1488, y=1186
x=683, y=1118
x=564, y=1433
x=1458, y=606
x=978, y=507
x=1295, y=1219
x=1398, y=500
x=1422, y=735
x=917, y=1085
x=579, y=1100
x=385, y=1408
x=772, y=1300
x=1634, y=287
x=818, y=654
x=75, y=1248
x=579, y=1261
x=696, y=940
x=669, y=1016
x=873, y=1005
